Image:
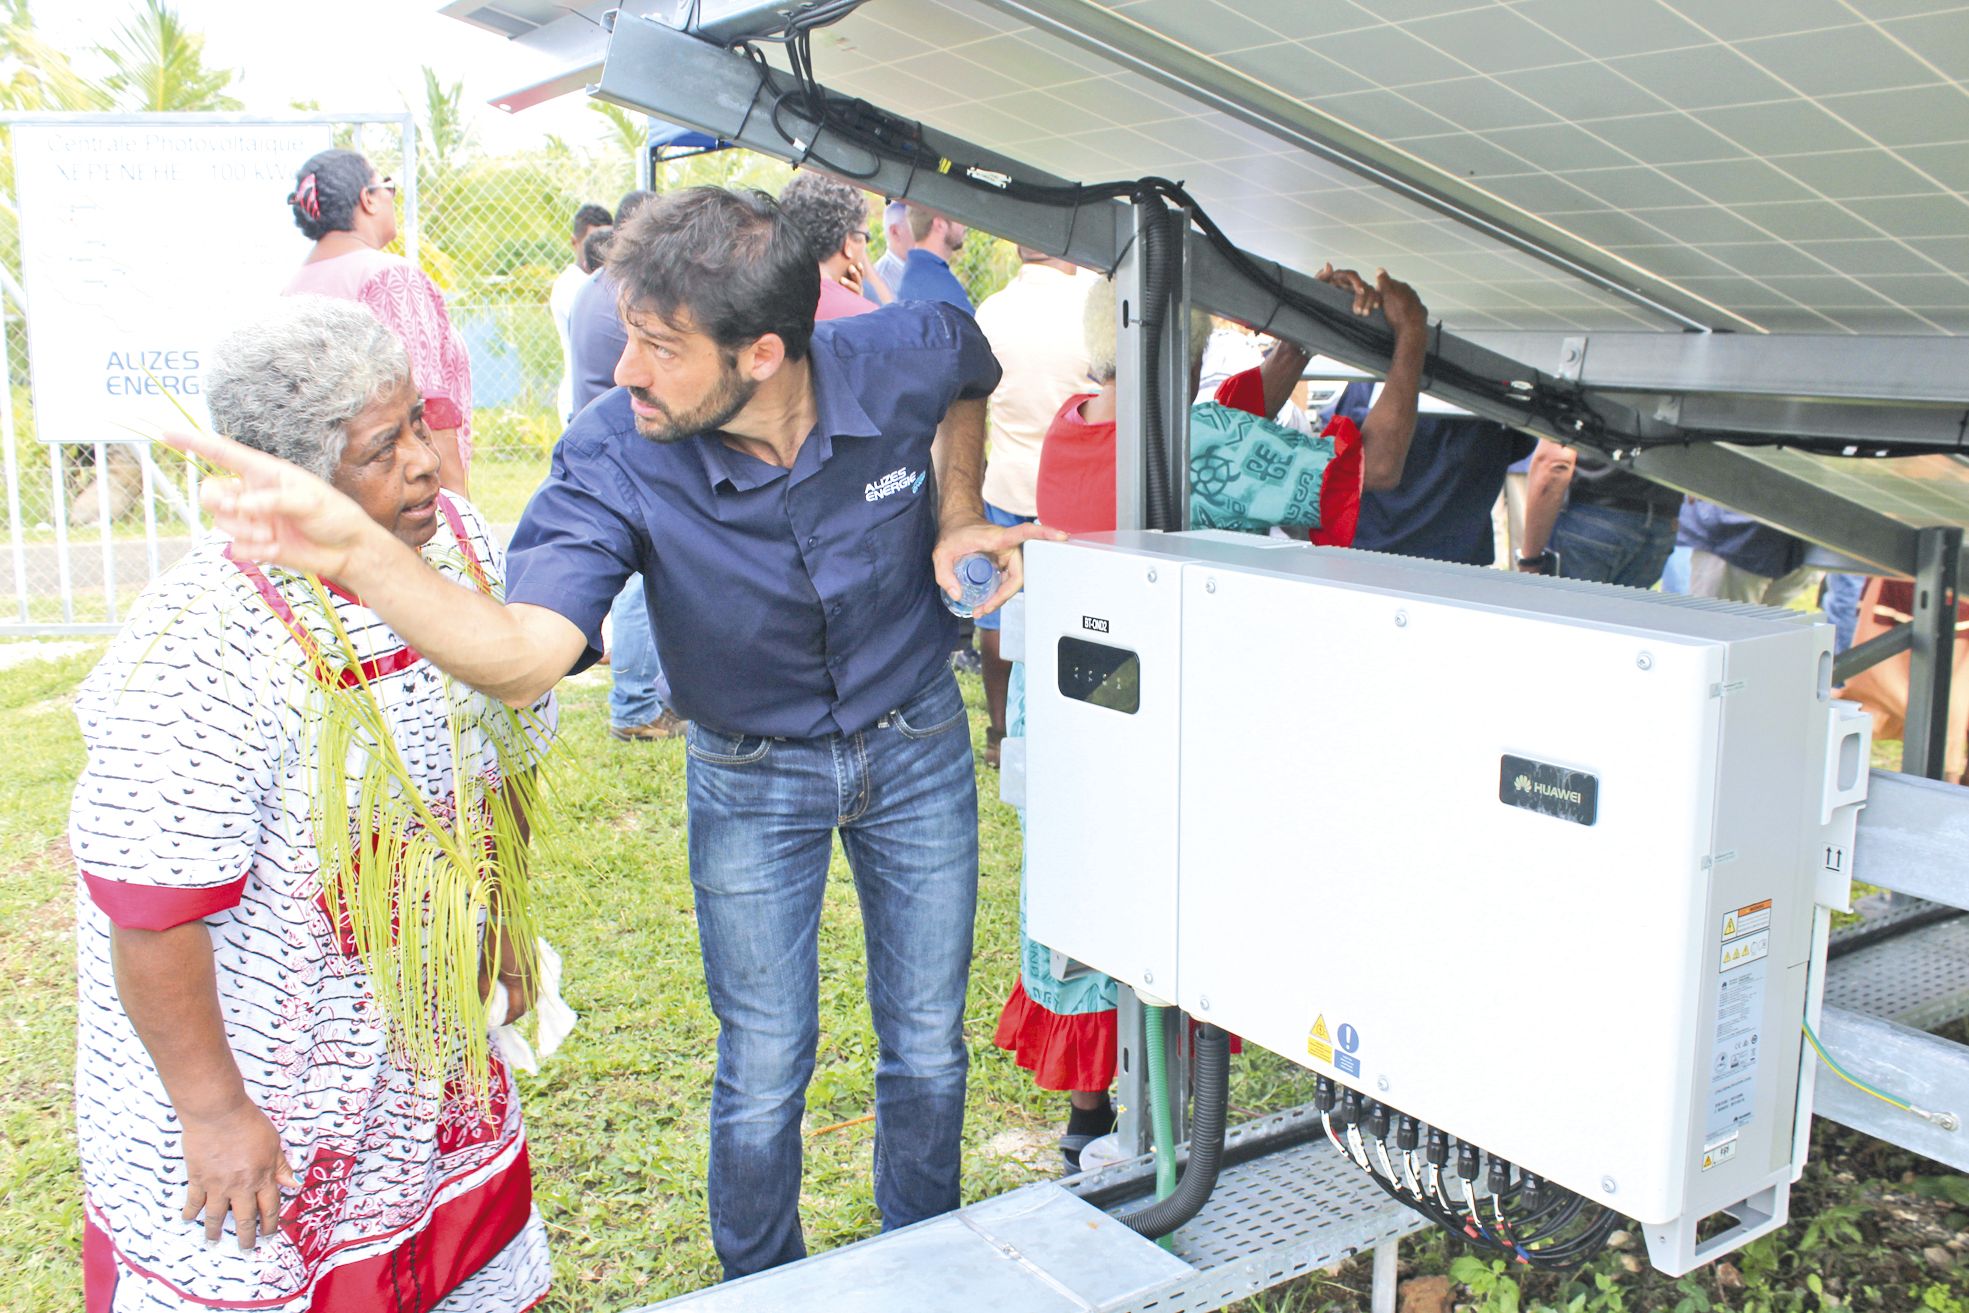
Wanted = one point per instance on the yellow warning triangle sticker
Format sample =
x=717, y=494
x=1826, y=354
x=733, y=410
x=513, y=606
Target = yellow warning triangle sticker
x=1729, y=925
x=1708, y=1161
x=1319, y=1027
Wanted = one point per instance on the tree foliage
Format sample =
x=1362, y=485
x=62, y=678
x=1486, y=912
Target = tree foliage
x=157, y=64
x=34, y=75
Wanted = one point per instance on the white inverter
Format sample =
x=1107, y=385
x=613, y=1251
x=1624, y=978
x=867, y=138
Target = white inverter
x=1541, y=864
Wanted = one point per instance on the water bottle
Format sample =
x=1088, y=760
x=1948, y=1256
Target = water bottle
x=977, y=579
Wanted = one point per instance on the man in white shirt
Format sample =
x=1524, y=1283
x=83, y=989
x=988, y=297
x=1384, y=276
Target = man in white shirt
x=560, y=300
x=895, y=226
x=1034, y=327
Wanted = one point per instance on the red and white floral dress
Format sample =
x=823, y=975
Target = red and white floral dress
x=195, y=805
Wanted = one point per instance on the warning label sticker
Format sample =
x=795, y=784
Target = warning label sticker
x=1319, y=1040
x=1747, y=920
x=1716, y=1155
x=1745, y=949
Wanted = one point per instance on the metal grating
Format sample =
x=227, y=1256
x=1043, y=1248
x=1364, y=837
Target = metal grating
x=1299, y=1210
x=1919, y=979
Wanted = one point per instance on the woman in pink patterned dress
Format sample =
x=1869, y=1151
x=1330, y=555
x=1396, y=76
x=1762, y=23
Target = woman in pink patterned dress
x=349, y=211
x=250, y=1135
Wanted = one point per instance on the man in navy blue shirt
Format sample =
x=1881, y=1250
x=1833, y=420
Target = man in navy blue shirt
x=926, y=274
x=772, y=482
x=1454, y=471
x=638, y=694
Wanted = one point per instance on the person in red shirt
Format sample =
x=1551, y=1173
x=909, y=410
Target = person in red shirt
x=1076, y=463
x=1073, y=1048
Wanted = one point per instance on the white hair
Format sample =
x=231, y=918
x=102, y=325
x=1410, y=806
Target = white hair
x=1098, y=331
x=289, y=382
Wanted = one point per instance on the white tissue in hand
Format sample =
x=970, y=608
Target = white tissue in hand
x=553, y=1017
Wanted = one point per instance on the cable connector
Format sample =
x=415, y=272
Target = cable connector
x=1437, y=1153
x=1499, y=1180
x=1407, y=1133
x=989, y=177
x=1946, y=1121
x=1377, y=1119
x=1466, y=1160
x=1325, y=1093
x=1350, y=1108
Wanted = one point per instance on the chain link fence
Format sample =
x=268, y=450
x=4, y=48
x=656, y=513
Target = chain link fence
x=85, y=525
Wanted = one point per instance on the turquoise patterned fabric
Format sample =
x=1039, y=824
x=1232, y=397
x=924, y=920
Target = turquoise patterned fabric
x=1249, y=474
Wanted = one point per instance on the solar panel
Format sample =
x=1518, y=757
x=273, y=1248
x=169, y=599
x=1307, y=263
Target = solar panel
x=1790, y=165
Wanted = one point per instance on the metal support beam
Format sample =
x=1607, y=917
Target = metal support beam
x=661, y=71
x=1134, y=1124
x=1938, y=563
x=1926, y=1071
x=1912, y=836
x=1871, y=653
x=1864, y=426
x=1152, y=372
x=1905, y=369
x=1152, y=367
x=1730, y=478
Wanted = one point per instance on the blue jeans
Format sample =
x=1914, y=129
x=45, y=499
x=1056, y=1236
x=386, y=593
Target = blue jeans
x=1612, y=545
x=763, y=813
x=638, y=692
x=1842, y=607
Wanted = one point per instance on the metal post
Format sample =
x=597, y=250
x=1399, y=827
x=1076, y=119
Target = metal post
x=1134, y=1119
x=407, y=126
x=1178, y=388
x=105, y=529
x=1132, y=1127
x=1924, y=746
x=1387, y=1267
x=16, y=538
x=1130, y=362
x=1171, y=366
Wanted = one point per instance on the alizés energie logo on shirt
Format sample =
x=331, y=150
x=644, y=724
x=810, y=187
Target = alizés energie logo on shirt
x=892, y=482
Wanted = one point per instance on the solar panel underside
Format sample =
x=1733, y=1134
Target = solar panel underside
x=1792, y=165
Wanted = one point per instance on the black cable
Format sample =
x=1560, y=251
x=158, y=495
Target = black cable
x=1211, y=1101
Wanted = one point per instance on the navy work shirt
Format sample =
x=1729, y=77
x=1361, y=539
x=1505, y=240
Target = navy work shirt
x=788, y=603
x=927, y=277
x=1441, y=507
x=595, y=338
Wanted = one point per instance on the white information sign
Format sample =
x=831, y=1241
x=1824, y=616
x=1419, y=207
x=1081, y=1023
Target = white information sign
x=142, y=245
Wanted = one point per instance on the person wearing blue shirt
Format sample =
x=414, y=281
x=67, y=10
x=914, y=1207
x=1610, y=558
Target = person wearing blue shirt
x=926, y=274
x=772, y=481
x=638, y=695
x=1450, y=480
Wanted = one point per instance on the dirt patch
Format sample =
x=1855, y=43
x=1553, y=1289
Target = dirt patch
x=1034, y=1150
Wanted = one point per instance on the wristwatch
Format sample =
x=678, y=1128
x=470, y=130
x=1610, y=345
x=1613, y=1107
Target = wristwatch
x=1546, y=562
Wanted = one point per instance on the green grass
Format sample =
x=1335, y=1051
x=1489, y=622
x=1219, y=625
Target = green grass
x=617, y=1118
x=503, y=481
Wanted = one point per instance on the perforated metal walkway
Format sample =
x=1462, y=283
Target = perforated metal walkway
x=1919, y=978
x=1046, y=1248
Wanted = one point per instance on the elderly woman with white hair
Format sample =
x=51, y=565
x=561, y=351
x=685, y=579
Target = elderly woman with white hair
x=302, y=899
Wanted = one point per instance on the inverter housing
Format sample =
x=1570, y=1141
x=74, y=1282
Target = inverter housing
x=1541, y=863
